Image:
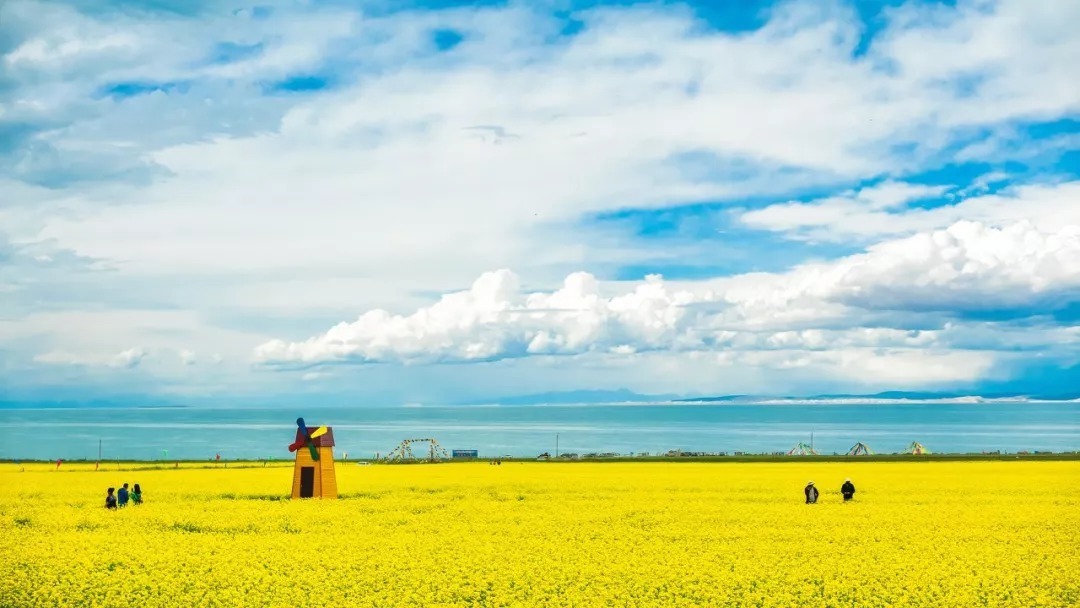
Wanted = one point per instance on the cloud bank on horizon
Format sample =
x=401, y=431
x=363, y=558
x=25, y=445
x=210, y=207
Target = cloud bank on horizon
x=403, y=202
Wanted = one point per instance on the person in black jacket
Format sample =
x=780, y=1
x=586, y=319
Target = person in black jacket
x=848, y=490
x=811, y=493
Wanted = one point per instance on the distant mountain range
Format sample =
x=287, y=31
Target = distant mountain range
x=628, y=396
x=887, y=396
x=95, y=404
x=617, y=396
x=621, y=395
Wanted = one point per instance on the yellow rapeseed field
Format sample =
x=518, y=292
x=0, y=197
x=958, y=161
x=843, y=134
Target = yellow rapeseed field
x=543, y=534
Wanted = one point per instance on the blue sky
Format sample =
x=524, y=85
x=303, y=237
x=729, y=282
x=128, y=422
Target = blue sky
x=424, y=202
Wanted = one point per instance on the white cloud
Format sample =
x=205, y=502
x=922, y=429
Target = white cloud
x=867, y=210
x=968, y=267
x=874, y=367
x=214, y=197
x=1007, y=54
x=64, y=44
x=129, y=358
x=126, y=359
x=845, y=217
x=61, y=358
x=188, y=357
x=890, y=194
x=494, y=320
x=101, y=340
x=341, y=168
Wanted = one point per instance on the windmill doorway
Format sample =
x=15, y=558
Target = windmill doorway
x=307, y=482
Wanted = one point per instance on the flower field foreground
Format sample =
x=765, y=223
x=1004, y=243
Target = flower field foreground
x=546, y=534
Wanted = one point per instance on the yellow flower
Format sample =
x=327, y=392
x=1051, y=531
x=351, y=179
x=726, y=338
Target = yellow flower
x=547, y=534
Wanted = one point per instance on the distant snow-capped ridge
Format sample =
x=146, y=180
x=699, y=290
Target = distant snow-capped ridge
x=627, y=397
x=887, y=401
x=873, y=400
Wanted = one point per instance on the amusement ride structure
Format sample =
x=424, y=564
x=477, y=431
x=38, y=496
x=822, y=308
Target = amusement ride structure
x=802, y=449
x=404, y=452
x=860, y=449
x=917, y=448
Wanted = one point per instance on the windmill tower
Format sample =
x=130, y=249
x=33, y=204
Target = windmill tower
x=860, y=449
x=313, y=474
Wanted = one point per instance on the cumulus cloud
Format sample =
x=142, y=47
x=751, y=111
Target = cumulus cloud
x=967, y=267
x=494, y=319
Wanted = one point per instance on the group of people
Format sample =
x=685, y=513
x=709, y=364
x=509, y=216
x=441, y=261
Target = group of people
x=811, y=491
x=114, y=499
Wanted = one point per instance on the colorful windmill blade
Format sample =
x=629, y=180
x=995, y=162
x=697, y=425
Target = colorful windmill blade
x=303, y=436
x=319, y=432
x=307, y=439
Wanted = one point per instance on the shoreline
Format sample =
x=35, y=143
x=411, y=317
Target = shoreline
x=741, y=459
x=777, y=402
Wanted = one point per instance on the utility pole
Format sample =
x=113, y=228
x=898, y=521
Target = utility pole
x=99, y=450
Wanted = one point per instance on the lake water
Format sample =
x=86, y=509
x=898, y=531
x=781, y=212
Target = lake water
x=198, y=433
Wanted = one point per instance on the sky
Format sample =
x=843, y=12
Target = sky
x=425, y=202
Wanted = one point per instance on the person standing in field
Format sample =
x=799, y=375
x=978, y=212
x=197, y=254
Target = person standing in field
x=848, y=490
x=136, y=495
x=110, y=500
x=811, y=493
x=122, y=496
